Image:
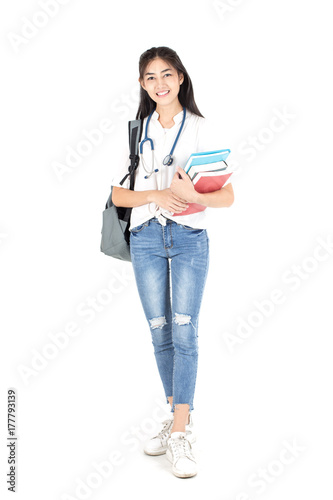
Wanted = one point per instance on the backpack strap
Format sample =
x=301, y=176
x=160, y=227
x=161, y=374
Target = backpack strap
x=134, y=136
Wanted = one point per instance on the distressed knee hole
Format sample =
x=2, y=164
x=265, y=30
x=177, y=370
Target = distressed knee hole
x=157, y=322
x=182, y=319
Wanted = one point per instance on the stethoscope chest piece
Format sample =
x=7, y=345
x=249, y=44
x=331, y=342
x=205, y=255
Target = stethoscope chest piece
x=168, y=160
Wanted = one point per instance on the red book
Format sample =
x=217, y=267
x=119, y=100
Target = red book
x=206, y=182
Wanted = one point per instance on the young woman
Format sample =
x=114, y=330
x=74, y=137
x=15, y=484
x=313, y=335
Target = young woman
x=170, y=252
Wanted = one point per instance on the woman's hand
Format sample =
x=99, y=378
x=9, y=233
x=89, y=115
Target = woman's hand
x=165, y=198
x=182, y=186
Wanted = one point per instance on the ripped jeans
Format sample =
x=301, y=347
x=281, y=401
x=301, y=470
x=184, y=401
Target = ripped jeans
x=170, y=264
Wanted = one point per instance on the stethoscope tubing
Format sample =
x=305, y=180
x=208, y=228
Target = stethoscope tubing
x=168, y=160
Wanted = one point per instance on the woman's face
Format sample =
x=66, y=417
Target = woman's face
x=161, y=81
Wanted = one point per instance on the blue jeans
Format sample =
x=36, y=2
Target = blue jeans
x=170, y=265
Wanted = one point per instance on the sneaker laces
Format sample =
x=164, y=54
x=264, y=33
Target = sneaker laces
x=164, y=432
x=181, y=448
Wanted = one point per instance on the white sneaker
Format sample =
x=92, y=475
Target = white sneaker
x=157, y=445
x=179, y=453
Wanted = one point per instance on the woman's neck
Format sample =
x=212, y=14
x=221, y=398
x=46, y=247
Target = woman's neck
x=168, y=112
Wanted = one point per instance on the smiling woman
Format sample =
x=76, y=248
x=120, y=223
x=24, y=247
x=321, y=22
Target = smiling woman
x=162, y=71
x=170, y=251
x=150, y=84
x=163, y=83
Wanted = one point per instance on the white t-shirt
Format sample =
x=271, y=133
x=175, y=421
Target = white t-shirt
x=197, y=136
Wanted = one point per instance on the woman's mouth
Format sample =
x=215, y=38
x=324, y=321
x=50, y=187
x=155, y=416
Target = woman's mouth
x=163, y=94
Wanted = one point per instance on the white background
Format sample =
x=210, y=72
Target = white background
x=100, y=395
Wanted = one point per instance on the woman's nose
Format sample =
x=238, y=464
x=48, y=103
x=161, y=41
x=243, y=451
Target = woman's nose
x=159, y=83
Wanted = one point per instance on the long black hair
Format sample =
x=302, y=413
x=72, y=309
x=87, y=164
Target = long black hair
x=185, y=95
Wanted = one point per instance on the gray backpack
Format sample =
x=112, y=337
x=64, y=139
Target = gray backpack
x=115, y=240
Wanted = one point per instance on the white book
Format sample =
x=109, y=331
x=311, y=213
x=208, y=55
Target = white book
x=206, y=167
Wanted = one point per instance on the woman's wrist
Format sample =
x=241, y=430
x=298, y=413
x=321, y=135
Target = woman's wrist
x=151, y=195
x=197, y=198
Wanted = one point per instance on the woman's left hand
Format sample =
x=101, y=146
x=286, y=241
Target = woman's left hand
x=182, y=186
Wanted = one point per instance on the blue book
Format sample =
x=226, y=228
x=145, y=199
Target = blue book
x=206, y=159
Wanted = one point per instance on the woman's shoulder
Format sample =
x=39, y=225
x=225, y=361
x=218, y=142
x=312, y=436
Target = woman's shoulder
x=196, y=120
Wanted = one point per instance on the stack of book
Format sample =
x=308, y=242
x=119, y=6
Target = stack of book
x=208, y=172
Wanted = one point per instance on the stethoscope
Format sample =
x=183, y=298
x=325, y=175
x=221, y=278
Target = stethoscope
x=168, y=160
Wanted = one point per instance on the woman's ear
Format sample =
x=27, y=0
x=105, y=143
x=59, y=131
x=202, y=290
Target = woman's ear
x=181, y=78
x=141, y=84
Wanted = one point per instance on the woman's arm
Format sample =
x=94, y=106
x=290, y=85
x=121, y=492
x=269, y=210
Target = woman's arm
x=123, y=197
x=164, y=198
x=223, y=197
x=183, y=186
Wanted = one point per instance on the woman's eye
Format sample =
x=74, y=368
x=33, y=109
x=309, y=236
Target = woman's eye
x=151, y=77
